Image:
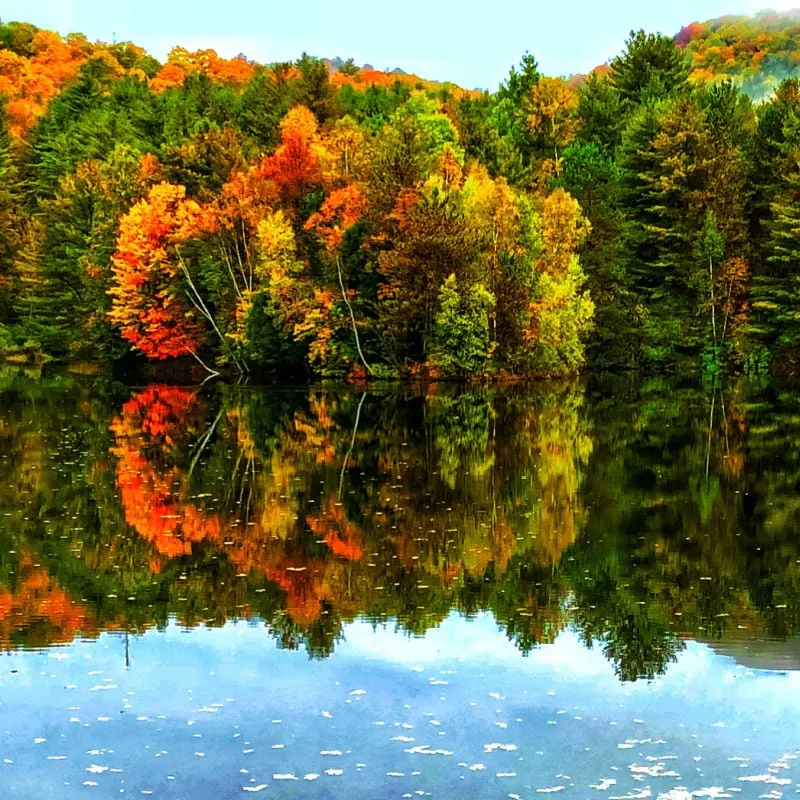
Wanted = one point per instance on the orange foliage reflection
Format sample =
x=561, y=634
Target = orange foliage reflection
x=342, y=537
x=39, y=606
x=150, y=422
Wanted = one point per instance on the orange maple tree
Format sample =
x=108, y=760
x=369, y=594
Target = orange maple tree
x=31, y=82
x=342, y=209
x=147, y=302
x=296, y=164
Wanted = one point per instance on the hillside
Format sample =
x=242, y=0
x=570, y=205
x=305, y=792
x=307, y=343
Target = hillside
x=36, y=64
x=757, y=52
x=326, y=219
x=347, y=73
x=365, y=76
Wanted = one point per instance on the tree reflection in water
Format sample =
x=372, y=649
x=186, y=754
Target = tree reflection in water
x=640, y=514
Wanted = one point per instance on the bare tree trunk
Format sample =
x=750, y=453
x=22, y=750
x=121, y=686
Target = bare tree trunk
x=352, y=316
x=247, y=256
x=713, y=302
x=495, y=270
x=212, y=373
x=727, y=312
x=711, y=426
x=555, y=141
x=227, y=263
x=352, y=443
x=198, y=303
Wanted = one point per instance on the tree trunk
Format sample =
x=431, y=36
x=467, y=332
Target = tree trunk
x=352, y=316
x=713, y=303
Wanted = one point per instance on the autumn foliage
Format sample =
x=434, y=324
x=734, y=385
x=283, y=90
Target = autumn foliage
x=147, y=303
x=149, y=426
x=342, y=209
x=363, y=78
x=295, y=166
x=757, y=51
x=42, y=608
x=30, y=82
x=356, y=224
x=234, y=72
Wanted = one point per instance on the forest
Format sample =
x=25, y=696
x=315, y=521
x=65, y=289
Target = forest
x=343, y=222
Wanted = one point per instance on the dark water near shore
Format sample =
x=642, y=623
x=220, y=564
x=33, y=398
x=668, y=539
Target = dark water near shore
x=588, y=590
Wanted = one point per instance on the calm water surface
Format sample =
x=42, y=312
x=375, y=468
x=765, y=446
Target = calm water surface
x=589, y=591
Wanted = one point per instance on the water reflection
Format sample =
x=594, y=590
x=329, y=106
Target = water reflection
x=638, y=515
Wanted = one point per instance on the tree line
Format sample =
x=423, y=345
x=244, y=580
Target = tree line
x=253, y=218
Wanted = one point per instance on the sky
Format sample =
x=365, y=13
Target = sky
x=460, y=712
x=470, y=43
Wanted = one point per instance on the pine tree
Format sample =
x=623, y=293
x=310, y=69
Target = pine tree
x=775, y=322
x=651, y=68
x=768, y=154
x=680, y=164
x=40, y=307
x=640, y=202
x=777, y=290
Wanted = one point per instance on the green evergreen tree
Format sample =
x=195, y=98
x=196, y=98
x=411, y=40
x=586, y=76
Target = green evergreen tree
x=264, y=100
x=651, y=68
x=777, y=290
x=594, y=180
x=601, y=113
x=41, y=307
x=88, y=120
x=80, y=225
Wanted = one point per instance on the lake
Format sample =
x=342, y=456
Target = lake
x=588, y=590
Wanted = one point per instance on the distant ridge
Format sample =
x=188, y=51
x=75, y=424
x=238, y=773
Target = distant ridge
x=345, y=72
x=757, y=52
x=335, y=65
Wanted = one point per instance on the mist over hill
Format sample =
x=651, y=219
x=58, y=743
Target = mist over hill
x=756, y=52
